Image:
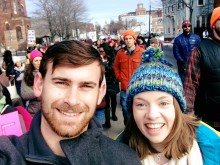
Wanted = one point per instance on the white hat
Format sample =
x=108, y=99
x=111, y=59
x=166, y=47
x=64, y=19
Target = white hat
x=16, y=59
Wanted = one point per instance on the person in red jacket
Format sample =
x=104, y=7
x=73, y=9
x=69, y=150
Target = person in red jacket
x=126, y=62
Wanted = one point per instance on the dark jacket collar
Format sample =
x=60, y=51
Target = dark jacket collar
x=39, y=151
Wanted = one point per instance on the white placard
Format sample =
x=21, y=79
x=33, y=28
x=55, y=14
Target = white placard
x=31, y=37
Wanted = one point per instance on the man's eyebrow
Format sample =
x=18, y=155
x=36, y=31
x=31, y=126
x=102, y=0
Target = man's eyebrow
x=89, y=83
x=68, y=80
x=60, y=78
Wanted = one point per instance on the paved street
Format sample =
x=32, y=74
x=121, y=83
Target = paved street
x=118, y=126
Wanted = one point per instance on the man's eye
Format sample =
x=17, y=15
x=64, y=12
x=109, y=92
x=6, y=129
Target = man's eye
x=60, y=82
x=86, y=86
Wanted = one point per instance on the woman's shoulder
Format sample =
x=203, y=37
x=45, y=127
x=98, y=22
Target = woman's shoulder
x=209, y=143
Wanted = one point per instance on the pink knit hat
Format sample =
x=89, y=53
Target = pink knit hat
x=35, y=53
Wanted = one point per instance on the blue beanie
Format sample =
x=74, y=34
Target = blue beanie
x=155, y=74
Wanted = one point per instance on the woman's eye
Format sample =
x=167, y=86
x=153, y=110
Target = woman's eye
x=164, y=103
x=140, y=105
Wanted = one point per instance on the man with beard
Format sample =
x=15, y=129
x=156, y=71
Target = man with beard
x=183, y=45
x=70, y=84
x=202, y=83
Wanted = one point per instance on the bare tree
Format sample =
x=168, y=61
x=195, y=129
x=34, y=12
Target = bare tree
x=129, y=23
x=114, y=27
x=62, y=16
x=190, y=6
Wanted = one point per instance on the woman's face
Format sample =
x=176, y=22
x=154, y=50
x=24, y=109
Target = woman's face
x=140, y=41
x=102, y=52
x=36, y=62
x=18, y=64
x=154, y=114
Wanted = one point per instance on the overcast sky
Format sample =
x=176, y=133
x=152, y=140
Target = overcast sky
x=106, y=10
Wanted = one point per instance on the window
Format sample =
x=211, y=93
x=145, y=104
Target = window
x=4, y=6
x=198, y=21
x=14, y=8
x=180, y=4
x=21, y=10
x=18, y=33
x=7, y=26
x=201, y=21
x=140, y=6
x=201, y=2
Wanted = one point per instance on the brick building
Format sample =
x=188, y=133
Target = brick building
x=143, y=21
x=14, y=24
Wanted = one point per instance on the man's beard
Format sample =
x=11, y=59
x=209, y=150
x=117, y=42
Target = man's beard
x=63, y=128
x=217, y=30
x=186, y=32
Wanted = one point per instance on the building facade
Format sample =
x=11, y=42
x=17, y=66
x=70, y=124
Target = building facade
x=143, y=21
x=176, y=11
x=14, y=24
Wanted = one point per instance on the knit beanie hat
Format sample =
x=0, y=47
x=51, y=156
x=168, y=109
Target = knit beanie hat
x=155, y=74
x=215, y=16
x=34, y=54
x=130, y=33
x=186, y=22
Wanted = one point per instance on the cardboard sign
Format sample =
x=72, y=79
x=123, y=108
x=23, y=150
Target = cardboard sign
x=10, y=124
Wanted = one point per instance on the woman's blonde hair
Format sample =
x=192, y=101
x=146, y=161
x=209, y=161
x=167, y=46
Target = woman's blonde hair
x=176, y=144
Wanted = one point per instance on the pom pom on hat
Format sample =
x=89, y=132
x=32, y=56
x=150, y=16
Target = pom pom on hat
x=34, y=54
x=215, y=16
x=130, y=33
x=186, y=22
x=155, y=74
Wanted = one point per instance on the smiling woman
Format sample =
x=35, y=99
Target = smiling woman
x=157, y=128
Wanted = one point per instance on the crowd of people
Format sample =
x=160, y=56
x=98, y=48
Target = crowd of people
x=69, y=92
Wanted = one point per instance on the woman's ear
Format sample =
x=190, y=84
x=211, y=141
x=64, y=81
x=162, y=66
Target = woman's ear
x=38, y=85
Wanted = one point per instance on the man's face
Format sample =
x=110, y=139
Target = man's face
x=186, y=29
x=69, y=97
x=129, y=41
x=216, y=29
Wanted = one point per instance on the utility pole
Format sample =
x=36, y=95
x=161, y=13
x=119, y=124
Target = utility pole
x=149, y=16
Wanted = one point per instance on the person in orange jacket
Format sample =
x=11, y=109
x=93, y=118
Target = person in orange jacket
x=126, y=62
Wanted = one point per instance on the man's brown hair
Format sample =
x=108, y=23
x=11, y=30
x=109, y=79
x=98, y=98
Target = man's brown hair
x=75, y=53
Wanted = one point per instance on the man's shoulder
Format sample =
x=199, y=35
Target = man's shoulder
x=121, y=51
x=195, y=35
x=12, y=142
x=11, y=150
x=118, y=150
x=138, y=48
x=178, y=38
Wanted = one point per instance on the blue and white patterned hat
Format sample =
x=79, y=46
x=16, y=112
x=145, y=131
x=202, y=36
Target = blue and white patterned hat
x=155, y=74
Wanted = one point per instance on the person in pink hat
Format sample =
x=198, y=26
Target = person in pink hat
x=27, y=93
